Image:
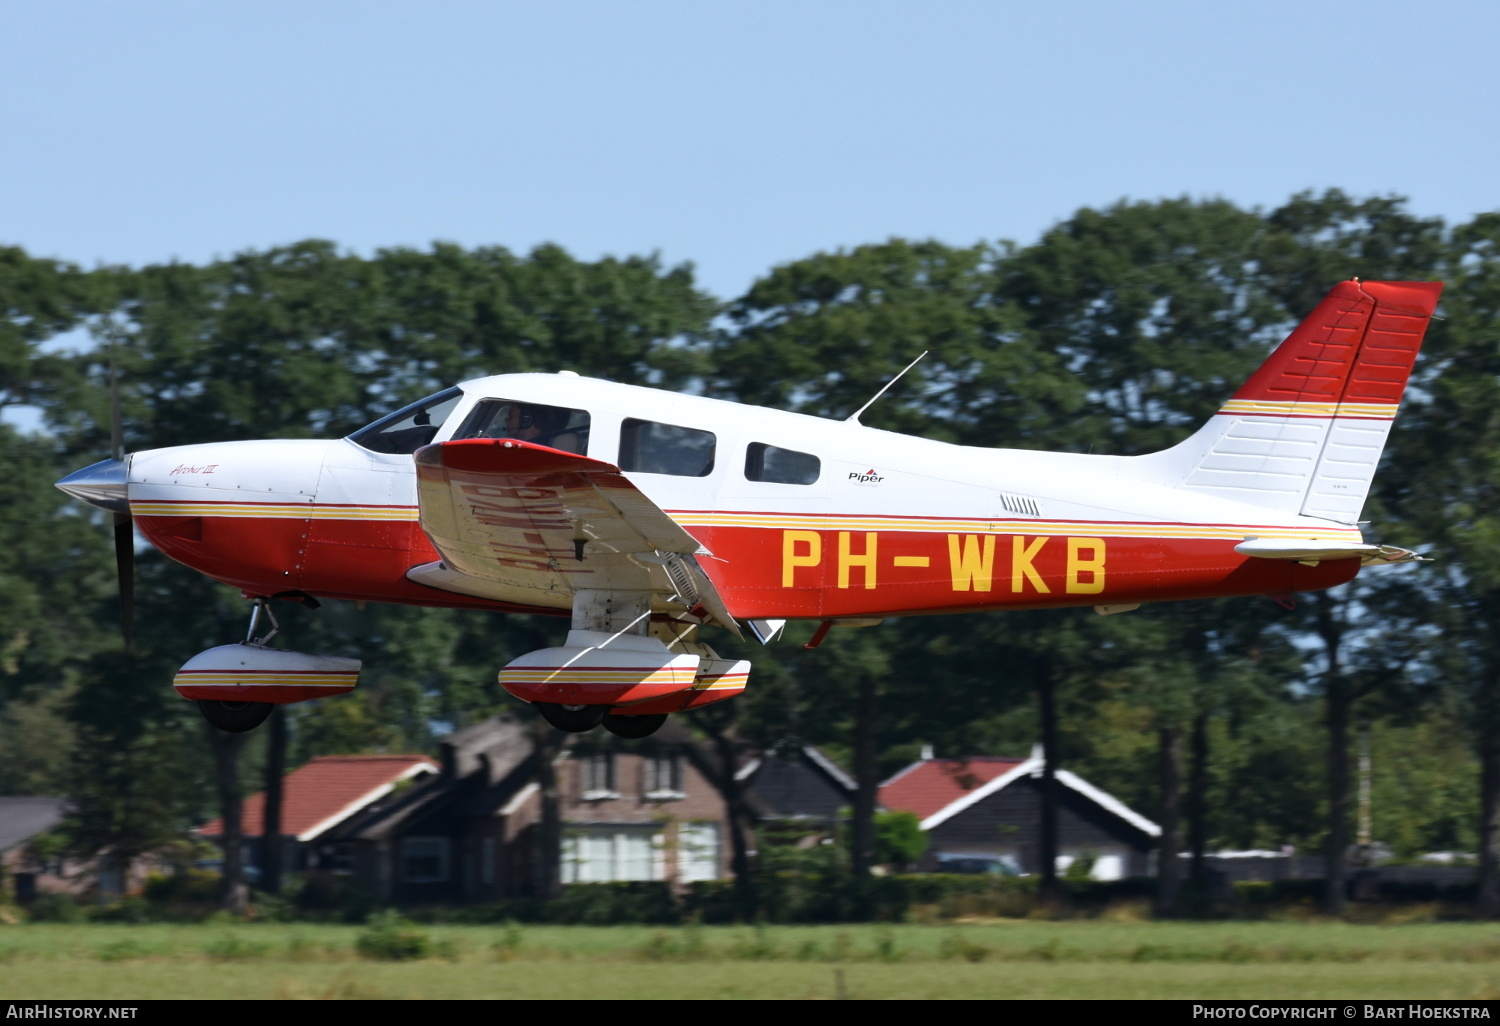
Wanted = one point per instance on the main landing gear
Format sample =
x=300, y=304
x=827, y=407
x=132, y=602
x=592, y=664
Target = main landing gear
x=580, y=719
x=622, y=668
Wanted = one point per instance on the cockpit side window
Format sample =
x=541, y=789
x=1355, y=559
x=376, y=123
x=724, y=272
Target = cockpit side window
x=555, y=426
x=409, y=428
x=780, y=466
x=652, y=448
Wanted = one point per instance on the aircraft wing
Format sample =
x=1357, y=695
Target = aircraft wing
x=1314, y=551
x=521, y=522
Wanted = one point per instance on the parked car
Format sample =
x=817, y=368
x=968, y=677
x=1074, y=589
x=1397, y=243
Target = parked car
x=978, y=865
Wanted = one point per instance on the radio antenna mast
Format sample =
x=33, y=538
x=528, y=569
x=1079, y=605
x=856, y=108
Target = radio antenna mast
x=853, y=418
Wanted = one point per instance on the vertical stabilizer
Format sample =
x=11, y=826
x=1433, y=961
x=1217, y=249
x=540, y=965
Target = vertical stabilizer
x=1305, y=433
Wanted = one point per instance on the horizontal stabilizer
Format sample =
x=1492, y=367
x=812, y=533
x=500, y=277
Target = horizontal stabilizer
x=1313, y=550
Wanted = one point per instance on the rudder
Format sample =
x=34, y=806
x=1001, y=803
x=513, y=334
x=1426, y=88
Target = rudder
x=1304, y=434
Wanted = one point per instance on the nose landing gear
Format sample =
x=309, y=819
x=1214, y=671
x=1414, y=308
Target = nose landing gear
x=235, y=686
x=234, y=717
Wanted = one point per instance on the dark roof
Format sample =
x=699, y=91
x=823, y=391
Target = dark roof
x=21, y=819
x=797, y=782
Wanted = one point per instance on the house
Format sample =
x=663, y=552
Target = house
x=21, y=819
x=629, y=810
x=984, y=810
x=467, y=828
x=319, y=796
x=797, y=789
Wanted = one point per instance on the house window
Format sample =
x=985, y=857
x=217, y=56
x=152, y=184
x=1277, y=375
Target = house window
x=662, y=777
x=697, y=852
x=424, y=859
x=780, y=466
x=598, y=776
x=487, y=861
x=609, y=852
x=652, y=448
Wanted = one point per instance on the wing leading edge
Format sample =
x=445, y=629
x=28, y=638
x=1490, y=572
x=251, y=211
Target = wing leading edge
x=520, y=522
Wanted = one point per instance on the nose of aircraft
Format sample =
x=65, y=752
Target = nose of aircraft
x=104, y=485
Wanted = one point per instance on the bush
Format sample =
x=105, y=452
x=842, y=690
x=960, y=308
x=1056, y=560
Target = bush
x=56, y=908
x=899, y=839
x=133, y=909
x=337, y=896
x=605, y=904
x=196, y=886
x=391, y=938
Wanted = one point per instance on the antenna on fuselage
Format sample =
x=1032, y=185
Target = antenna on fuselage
x=853, y=418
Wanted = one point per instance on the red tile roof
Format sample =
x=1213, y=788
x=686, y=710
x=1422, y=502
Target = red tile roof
x=327, y=790
x=931, y=785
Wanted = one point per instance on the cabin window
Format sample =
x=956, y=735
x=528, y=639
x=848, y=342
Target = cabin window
x=411, y=427
x=424, y=859
x=780, y=466
x=652, y=448
x=554, y=426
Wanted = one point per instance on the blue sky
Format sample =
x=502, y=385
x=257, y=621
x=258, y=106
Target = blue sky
x=733, y=135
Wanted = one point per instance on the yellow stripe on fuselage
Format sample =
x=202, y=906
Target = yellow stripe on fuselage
x=1208, y=532
x=253, y=679
x=274, y=511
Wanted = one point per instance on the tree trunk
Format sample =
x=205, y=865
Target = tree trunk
x=1338, y=701
x=866, y=780
x=1197, y=806
x=717, y=721
x=548, y=744
x=272, y=848
x=1046, y=696
x=1489, y=806
x=1168, y=866
x=226, y=748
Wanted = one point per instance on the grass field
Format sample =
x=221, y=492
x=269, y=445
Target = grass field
x=996, y=959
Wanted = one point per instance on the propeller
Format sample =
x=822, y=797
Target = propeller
x=124, y=525
x=106, y=485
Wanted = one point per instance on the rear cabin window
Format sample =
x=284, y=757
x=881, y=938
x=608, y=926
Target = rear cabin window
x=780, y=466
x=652, y=448
x=554, y=426
x=411, y=427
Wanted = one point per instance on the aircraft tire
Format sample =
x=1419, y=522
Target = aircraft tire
x=633, y=726
x=578, y=719
x=234, y=717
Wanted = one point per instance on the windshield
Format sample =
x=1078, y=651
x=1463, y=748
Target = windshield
x=409, y=428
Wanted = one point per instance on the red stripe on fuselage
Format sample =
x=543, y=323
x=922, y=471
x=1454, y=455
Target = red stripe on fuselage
x=367, y=560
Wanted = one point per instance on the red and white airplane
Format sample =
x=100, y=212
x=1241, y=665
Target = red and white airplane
x=645, y=514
